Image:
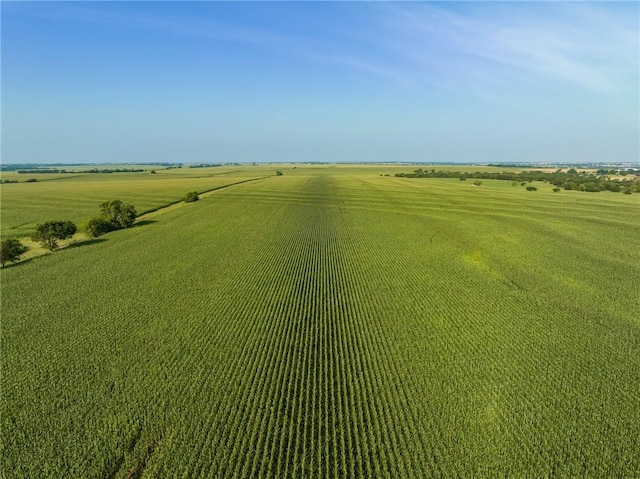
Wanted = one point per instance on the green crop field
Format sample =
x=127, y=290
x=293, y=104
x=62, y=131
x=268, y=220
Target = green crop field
x=76, y=196
x=331, y=322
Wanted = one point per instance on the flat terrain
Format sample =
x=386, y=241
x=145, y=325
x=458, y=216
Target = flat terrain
x=331, y=322
x=76, y=196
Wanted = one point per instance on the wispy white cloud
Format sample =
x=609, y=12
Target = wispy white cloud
x=325, y=48
x=595, y=46
x=588, y=45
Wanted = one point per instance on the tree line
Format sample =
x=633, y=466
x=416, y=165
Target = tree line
x=92, y=170
x=568, y=180
x=114, y=215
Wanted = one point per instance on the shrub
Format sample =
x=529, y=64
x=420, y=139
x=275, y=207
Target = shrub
x=556, y=189
x=477, y=183
x=98, y=226
x=279, y=173
x=191, y=197
x=532, y=188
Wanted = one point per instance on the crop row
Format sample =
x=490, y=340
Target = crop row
x=330, y=326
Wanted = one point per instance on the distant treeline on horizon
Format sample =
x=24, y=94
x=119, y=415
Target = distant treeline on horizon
x=572, y=179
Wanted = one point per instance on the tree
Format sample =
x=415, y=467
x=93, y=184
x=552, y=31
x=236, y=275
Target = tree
x=191, y=197
x=118, y=214
x=98, y=226
x=279, y=173
x=10, y=250
x=532, y=188
x=50, y=232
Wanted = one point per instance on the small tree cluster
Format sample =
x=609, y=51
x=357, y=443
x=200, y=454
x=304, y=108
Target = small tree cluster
x=532, y=188
x=279, y=173
x=48, y=234
x=115, y=215
x=191, y=197
x=10, y=250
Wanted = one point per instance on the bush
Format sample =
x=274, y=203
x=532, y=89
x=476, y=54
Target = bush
x=532, y=188
x=191, y=197
x=279, y=173
x=627, y=191
x=556, y=189
x=98, y=226
x=10, y=250
x=477, y=183
x=31, y=180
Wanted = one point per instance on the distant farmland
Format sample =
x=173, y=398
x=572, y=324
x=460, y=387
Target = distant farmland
x=330, y=322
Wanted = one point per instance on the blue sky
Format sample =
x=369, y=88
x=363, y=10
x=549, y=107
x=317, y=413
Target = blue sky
x=320, y=81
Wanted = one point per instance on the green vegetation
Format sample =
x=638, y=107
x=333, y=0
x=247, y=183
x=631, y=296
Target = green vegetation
x=191, y=197
x=117, y=213
x=332, y=323
x=56, y=171
x=76, y=196
x=48, y=234
x=10, y=250
x=569, y=180
x=98, y=226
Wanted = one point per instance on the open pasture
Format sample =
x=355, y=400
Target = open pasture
x=330, y=322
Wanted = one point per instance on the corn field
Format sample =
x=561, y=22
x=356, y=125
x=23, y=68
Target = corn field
x=333, y=325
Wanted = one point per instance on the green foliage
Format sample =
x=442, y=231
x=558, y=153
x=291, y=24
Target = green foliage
x=556, y=189
x=48, y=234
x=279, y=173
x=532, y=188
x=75, y=196
x=120, y=215
x=571, y=180
x=98, y=226
x=191, y=197
x=10, y=250
x=477, y=183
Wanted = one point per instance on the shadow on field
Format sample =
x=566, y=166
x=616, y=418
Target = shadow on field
x=144, y=223
x=86, y=242
x=17, y=263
